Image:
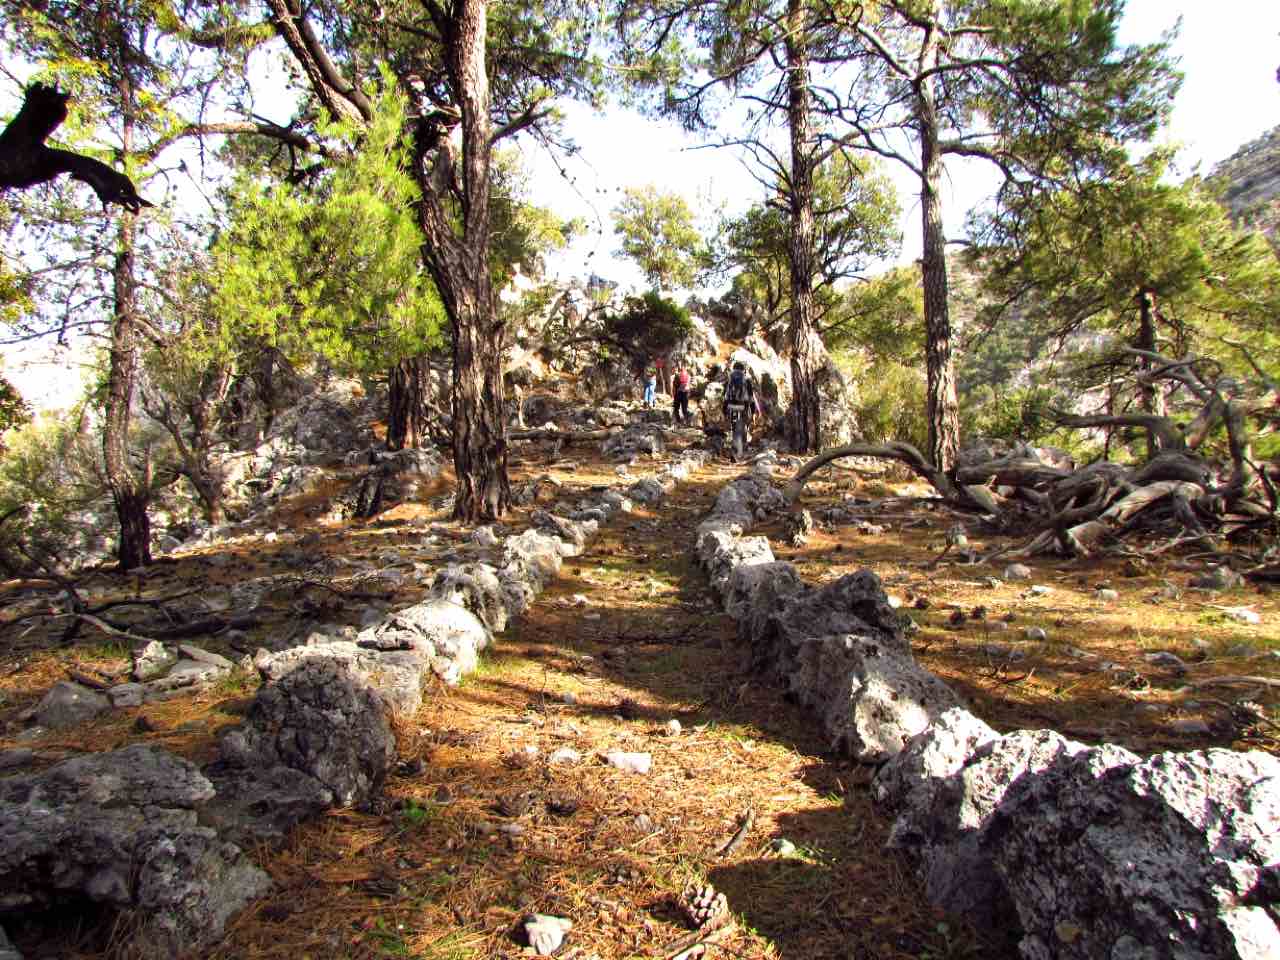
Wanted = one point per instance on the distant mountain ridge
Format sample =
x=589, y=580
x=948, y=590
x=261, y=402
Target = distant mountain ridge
x=1250, y=183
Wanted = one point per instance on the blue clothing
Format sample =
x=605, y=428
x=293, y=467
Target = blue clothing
x=650, y=386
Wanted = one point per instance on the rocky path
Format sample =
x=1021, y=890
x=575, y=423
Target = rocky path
x=608, y=755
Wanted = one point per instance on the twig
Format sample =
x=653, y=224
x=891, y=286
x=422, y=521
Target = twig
x=683, y=949
x=1229, y=682
x=748, y=821
x=109, y=629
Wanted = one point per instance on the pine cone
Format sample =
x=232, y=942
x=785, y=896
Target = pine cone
x=702, y=907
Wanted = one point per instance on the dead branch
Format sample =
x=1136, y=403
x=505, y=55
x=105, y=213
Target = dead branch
x=568, y=437
x=748, y=821
x=25, y=160
x=1230, y=681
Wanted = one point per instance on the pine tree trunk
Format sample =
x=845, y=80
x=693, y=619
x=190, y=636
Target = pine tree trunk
x=807, y=351
x=409, y=387
x=456, y=252
x=479, y=427
x=1151, y=399
x=129, y=495
x=942, y=408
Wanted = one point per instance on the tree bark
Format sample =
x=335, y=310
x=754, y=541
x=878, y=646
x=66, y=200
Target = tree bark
x=128, y=493
x=807, y=350
x=407, y=413
x=942, y=408
x=1149, y=391
x=459, y=265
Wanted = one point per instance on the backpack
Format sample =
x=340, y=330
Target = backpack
x=738, y=391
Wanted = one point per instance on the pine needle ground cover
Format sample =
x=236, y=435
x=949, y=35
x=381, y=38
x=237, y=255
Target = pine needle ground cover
x=503, y=805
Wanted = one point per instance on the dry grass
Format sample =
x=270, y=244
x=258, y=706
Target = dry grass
x=487, y=829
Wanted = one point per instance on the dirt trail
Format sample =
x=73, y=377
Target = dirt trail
x=483, y=826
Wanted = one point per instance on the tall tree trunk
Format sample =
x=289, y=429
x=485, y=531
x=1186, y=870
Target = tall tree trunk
x=128, y=493
x=1151, y=399
x=807, y=351
x=459, y=265
x=479, y=427
x=408, y=389
x=942, y=408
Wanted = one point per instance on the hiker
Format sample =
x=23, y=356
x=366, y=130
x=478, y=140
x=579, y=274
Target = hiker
x=650, y=385
x=740, y=407
x=682, y=393
x=660, y=364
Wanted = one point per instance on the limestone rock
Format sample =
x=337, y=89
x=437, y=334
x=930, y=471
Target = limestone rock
x=152, y=660
x=69, y=704
x=323, y=719
x=1174, y=856
x=121, y=828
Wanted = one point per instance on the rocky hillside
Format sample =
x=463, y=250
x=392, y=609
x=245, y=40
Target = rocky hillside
x=1250, y=179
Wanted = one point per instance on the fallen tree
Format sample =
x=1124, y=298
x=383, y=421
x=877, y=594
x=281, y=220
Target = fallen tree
x=1184, y=491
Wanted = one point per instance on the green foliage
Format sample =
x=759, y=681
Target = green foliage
x=885, y=316
x=649, y=325
x=333, y=268
x=1076, y=263
x=14, y=411
x=657, y=231
x=891, y=399
x=855, y=222
x=50, y=472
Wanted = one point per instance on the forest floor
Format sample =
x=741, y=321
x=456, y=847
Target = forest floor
x=479, y=828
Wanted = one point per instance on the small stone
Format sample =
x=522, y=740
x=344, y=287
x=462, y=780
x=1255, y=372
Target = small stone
x=1036, y=634
x=1241, y=650
x=1107, y=595
x=630, y=762
x=1017, y=571
x=512, y=829
x=1190, y=727
x=673, y=727
x=783, y=847
x=1243, y=614
x=644, y=823
x=992, y=583
x=1040, y=590
x=564, y=755
x=569, y=697
x=996, y=626
x=894, y=601
x=544, y=934
x=1163, y=658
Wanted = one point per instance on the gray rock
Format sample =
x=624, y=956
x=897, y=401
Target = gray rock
x=945, y=825
x=322, y=717
x=476, y=587
x=200, y=655
x=1163, y=658
x=447, y=636
x=69, y=704
x=651, y=489
x=841, y=651
x=122, y=828
x=544, y=934
x=16, y=757
x=1017, y=571
x=126, y=695
x=261, y=805
x=7, y=950
x=1218, y=578
x=1175, y=856
x=152, y=660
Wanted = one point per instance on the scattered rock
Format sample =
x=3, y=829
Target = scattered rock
x=152, y=660
x=630, y=762
x=544, y=934
x=1035, y=634
x=69, y=704
x=1017, y=571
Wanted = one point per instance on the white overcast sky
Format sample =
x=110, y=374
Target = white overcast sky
x=1229, y=51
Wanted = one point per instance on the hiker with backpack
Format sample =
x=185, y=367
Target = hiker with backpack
x=740, y=406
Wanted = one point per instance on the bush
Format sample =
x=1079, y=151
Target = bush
x=891, y=399
x=649, y=324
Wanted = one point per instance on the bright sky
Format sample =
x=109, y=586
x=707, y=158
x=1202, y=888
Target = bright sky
x=1229, y=50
